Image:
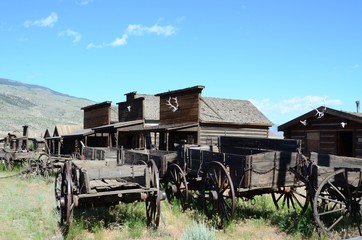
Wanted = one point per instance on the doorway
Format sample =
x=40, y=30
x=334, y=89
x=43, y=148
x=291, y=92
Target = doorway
x=345, y=144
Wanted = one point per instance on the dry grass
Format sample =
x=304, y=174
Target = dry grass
x=27, y=212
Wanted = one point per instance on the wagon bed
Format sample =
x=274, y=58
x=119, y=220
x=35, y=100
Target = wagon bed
x=93, y=183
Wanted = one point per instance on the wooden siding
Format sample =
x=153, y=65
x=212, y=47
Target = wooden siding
x=358, y=143
x=95, y=117
x=209, y=135
x=188, y=110
x=130, y=110
x=333, y=138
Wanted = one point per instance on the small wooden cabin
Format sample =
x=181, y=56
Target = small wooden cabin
x=57, y=143
x=328, y=131
x=186, y=115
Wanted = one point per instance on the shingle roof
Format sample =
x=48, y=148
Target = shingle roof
x=80, y=132
x=66, y=129
x=114, y=114
x=232, y=111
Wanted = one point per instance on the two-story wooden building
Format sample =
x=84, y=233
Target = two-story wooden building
x=95, y=115
x=328, y=131
x=158, y=121
x=186, y=115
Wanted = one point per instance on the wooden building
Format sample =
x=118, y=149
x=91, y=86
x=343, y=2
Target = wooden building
x=186, y=115
x=159, y=121
x=139, y=111
x=328, y=131
x=57, y=143
x=96, y=115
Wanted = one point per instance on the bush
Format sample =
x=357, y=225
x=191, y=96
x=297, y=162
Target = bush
x=199, y=231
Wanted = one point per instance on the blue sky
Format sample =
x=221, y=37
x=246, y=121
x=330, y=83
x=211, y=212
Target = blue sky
x=287, y=57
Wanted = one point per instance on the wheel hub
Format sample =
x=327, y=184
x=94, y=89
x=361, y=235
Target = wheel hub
x=353, y=206
x=214, y=195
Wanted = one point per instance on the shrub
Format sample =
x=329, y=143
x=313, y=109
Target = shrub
x=199, y=231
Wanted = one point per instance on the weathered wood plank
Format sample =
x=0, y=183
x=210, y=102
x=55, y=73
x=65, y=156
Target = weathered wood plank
x=240, y=143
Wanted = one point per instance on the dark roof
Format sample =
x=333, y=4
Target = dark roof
x=352, y=116
x=119, y=125
x=165, y=127
x=105, y=103
x=80, y=132
x=196, y=88
x=231, y=111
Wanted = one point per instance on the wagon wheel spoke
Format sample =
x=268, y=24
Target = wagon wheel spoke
x=176, y=185
x=27, y=168
x=66, y=195
x=337, y=207
x=45, y=165
x=295, y=198
x=58, y=189
x=218, y=194
x=153, y=201
x=9, y=161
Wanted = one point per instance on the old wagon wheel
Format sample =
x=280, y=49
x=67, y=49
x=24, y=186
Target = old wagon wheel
x=66, y=195
x=58, y=189
x=9, y=161
x=337, y=204
x=218, y=194
x=153, y=201
x=30, y=168
x=45, y=165
x=176, y=185
x=292, y=198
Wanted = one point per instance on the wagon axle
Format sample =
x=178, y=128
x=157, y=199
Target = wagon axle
x=353, y=206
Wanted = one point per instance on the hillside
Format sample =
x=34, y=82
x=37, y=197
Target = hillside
x=38, y=107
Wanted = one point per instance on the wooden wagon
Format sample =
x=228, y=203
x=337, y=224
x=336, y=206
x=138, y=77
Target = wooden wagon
x=94, y=183
x=245, y=167
x=31, y=162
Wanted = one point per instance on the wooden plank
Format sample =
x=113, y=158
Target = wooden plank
x=271, y=169
x=259, y=143
x=334, y=161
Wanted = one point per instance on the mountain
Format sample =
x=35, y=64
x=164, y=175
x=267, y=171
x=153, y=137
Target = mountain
x=38, y=107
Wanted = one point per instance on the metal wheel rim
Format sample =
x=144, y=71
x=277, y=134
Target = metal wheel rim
x=217, y=183
x=66, y=202
x=176, y=179
x=58, y=189
x=45, y=165
x=153, y=201
x=337, y=205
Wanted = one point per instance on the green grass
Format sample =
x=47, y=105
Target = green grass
x=26, y=209
x=27, y=212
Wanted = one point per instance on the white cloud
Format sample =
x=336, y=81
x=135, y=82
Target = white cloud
x=288, y=109
x=139, y=30
x=119, y=41
x=70, y=33
x=92, y=45
x=44, y=22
